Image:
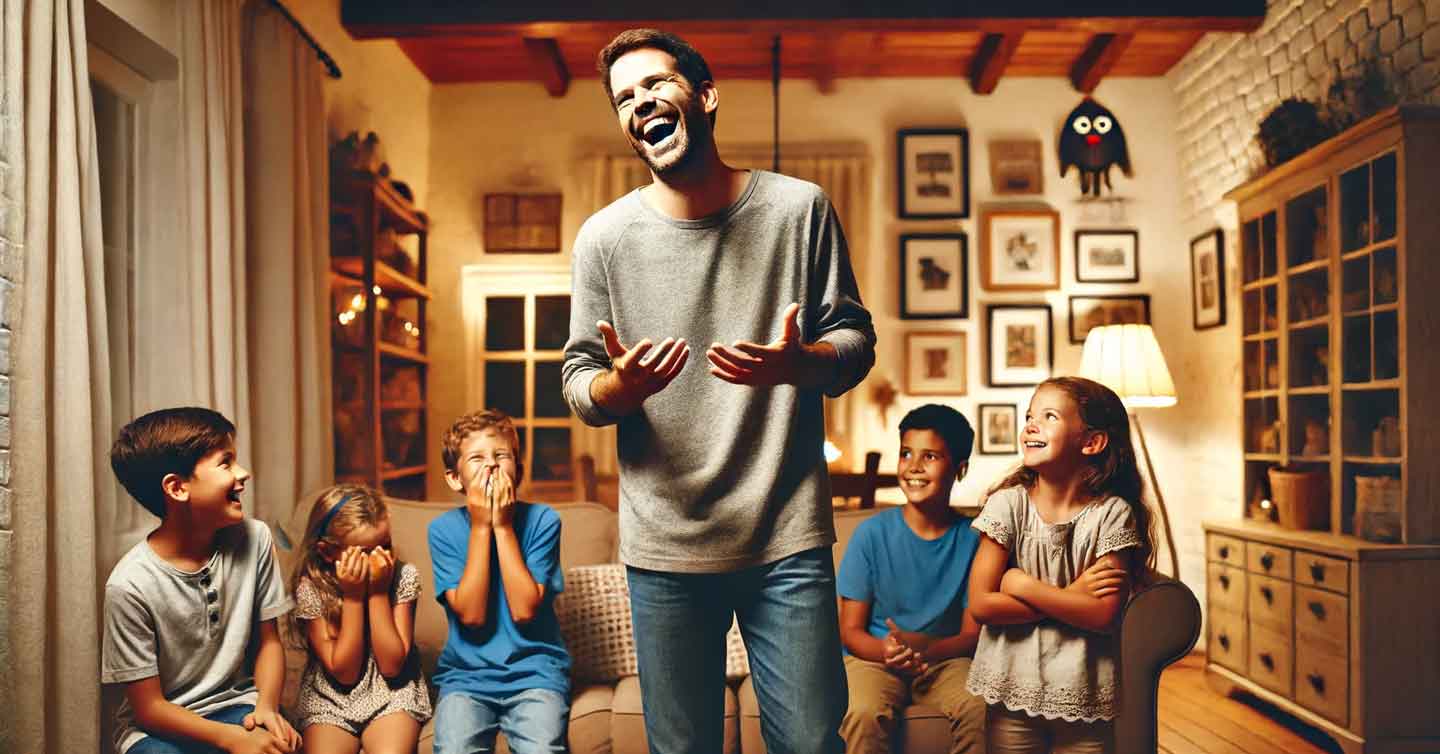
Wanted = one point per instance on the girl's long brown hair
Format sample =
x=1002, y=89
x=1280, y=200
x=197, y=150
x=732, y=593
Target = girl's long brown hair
x=363, y=507
x=1114, y=470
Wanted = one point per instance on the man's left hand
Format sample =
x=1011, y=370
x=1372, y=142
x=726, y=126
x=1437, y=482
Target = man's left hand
x=787, y=361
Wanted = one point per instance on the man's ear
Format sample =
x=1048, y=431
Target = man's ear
x=1095, y=443
x=709, y=97
x=175, y=487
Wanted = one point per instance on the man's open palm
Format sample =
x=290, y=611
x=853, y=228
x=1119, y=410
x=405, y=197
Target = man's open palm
x=781, y=362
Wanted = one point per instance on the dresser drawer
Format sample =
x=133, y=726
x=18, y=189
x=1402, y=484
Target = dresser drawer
x=1225, y=588
x=1222, y=549
x=1322, y=619
x=1270, y=602
x=1270, y=659
x=1322, y=571
x=1226, y=644
x=1321, y=683
x=1269, y=560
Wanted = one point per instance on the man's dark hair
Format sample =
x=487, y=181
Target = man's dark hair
x=688, y=60
x=168, y=441
x=951, y=425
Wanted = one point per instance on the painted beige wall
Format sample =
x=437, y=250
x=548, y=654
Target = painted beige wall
x=506, y=137
x=380, y=91
x=156, y=19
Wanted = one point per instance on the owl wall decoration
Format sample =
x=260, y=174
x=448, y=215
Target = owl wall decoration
x=1092, y=141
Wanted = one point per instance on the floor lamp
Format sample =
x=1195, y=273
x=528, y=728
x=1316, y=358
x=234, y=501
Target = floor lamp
x=1127, y=359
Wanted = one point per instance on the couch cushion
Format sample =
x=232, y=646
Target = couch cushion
x=594, y=614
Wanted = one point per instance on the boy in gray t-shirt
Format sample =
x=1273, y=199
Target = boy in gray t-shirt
x=185, y=606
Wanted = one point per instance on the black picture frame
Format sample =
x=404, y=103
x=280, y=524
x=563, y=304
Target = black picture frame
x=1213, y=314
x=987, y=444
x=1134, y=264
x=956, y=279
x=1021, y=375
x=1077, y=336
x=953, y=143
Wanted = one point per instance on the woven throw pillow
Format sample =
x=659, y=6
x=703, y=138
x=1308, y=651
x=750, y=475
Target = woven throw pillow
x=594, y=615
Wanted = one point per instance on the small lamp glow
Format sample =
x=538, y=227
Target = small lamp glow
x=1127, y=359
x=832, y=453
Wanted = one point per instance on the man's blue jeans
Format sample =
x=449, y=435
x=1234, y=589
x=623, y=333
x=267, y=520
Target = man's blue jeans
x=788, y=617
x=534, y=721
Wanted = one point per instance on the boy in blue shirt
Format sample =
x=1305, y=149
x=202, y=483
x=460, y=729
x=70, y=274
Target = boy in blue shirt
x=903, y=584
x=497, y=571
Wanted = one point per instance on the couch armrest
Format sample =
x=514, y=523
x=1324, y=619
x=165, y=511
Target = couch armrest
x=1160, y=624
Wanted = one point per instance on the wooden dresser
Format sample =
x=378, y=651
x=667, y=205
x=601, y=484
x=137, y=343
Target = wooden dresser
x=1339, y=266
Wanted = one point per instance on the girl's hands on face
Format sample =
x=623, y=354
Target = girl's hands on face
x=382, y=569
x=352, y=571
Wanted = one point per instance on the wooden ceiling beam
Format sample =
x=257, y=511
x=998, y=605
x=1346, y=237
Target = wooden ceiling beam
x=990, y=60
x=549, y=66
x=827, y=46
x=1097, y=60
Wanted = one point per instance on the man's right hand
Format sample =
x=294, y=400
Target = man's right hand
x=637, y=372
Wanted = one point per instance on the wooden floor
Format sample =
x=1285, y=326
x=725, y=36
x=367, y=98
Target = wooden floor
x=1194, y=719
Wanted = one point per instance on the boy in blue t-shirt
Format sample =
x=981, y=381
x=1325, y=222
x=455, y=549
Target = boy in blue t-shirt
x=497, y=571
x=908, y=637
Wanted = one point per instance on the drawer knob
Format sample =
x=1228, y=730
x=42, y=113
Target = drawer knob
x=1318, y=609
x=1317, y=571
x=1225, y=581
x=1267, y=661
x=1268, y=595
x=1224, y=642
x=1224, y=552
x=1267, y=560
x=1317, y=682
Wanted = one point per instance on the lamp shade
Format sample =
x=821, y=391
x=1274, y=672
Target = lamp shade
x=1127, y=359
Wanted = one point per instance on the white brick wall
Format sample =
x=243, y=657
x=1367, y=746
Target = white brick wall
x=1229, y=82
x=12, y=225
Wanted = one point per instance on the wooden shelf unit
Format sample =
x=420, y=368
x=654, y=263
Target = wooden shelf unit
x=1336, y=267
x=380, y=386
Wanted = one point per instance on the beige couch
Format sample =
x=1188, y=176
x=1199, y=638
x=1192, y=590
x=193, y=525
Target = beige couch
x=1160, y=625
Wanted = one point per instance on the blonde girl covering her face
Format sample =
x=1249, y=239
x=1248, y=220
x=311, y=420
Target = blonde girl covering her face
x=1066, y=536
x=355, y=614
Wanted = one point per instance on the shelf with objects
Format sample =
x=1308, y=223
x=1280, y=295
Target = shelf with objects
x=378, y=244
x=1313, y=587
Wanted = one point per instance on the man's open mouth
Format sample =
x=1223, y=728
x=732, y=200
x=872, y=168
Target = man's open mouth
x=658, y=130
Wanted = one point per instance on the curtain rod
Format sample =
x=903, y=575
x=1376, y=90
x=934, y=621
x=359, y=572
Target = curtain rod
x=320, y=52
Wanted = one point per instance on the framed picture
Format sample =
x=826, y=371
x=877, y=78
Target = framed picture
x=1207, y=279
x=1016, y=166
x=934, y=276
x=999, y=429
x=935, y=363
x=1107, y=256
x=934, y=172
x=1089, y=312
x=522, y=223
x=1021, y=344
x=1020, y=250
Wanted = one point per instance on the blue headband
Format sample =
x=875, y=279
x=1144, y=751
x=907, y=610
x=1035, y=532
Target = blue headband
x=330, y=514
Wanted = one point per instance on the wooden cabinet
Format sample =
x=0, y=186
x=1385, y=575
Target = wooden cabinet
x=379, y=367
x=1338, y=275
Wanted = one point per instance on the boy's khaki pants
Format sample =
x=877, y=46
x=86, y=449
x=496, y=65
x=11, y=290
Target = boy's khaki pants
x=878, y=696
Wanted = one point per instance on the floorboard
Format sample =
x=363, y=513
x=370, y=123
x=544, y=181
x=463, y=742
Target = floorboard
x=1196, y=720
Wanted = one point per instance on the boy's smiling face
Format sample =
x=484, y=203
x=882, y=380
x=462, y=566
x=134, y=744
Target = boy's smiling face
x=486, y=447
x=926, y=471
x=212, y=493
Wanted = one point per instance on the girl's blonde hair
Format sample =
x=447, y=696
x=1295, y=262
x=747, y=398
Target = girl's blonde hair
x=358, y=506
x=1114, y=470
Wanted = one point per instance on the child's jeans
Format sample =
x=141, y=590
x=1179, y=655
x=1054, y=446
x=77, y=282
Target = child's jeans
x=534, y=721
x=157, y=745
x=1018, y=733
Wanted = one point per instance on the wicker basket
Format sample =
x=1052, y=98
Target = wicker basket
x=1302, y=498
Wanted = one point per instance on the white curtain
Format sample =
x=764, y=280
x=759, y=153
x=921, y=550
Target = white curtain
x=842, y=170
x=212, y=161
x=60, y=405
x=287, y=230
